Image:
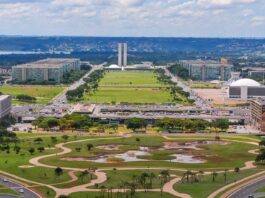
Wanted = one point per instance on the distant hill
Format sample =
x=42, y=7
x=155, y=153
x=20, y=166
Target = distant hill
x=104, y=44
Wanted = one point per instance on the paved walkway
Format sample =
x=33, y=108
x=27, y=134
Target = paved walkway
x=101, y=177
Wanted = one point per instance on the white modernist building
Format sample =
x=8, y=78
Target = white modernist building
x=5, y=105
x=246, y=88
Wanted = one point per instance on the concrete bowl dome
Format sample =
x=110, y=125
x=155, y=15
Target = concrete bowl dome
x=114, y=66
x=245, y=82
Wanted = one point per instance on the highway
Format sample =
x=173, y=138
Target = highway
x=250, y=189
x=199, y=102
x=61, y=99
x=17, y=187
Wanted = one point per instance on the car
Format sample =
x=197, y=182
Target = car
x=21, y=190
x=4, y=180
x=251, y=196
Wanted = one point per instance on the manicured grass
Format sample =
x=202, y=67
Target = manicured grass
x=207, y=186
x=79, y=181
x=9, y=191
x=45, y=192
x=138, y=195
x=118, y=177
x=11, y=162
x=130, y=87
x=204, y=85
x=217, y=156
x=43, y=94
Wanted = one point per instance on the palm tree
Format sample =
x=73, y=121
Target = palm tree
x=83, y=174
x=151, y=177
x=225, y=175
x=214, y=175
x=102, y=190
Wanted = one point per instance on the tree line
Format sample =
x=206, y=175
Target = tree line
x=191, y=124
x=173, y=87
x=90, y=86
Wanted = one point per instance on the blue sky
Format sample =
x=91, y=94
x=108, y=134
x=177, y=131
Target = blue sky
x=173, y=18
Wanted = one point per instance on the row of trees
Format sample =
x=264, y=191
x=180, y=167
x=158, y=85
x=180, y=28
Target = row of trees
x=177, y=93
x=80, y=122
x=180, y=71
x=26, y=98
x=90, y=86
x=77, y=121
x=191, y=124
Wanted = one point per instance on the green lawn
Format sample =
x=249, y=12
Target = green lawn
x=204, y=85
x=130, y=87
x=138, y=195
x=9, y=191
x=217, y=156
x=206, y=186
x=43, y=94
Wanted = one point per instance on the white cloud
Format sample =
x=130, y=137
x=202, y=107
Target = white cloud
x=258, y=20
x=225, y=2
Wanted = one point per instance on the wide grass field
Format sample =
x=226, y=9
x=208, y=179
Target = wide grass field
x=206, y=186
x=217, y=156
x=130, y=87
x=43, y=94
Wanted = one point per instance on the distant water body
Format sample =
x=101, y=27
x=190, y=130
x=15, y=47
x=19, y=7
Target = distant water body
x=19, y=52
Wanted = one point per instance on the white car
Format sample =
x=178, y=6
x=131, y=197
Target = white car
x=21, y=190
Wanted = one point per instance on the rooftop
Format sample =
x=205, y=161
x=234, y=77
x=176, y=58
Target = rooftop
x=2, y=97
x=49, y=62
x=204, y=62
x=245, y=82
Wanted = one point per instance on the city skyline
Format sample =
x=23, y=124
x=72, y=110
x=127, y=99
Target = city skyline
x=134, y=18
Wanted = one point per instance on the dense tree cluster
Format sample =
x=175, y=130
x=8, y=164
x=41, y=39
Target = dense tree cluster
x=136, y=123
x=72, y=76
x=176, y=92
x=180, y=71
x=191, y=124
x=26, y=98
x=90, y=86
x=74, y=121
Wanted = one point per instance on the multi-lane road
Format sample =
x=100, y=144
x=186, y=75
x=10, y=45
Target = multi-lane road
x=21, y=190
x=249, y=190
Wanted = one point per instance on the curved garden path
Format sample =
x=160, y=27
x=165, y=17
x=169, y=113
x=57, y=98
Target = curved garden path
x=101, y=177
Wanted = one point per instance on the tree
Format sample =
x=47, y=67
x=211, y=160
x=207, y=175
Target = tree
x=214, y=175
x=221, y=123
x=136, y=123
x=262, y=142
x=225, y=175
x=31, y=150
x=261, y=156
x=237, y=169
x=83, y=174
x=41, y=149
x=63, y=196
x=58, y=171
x=89, y=146
x=38, y=140
x=114, y=126
x=65, y=137
x=17, y=149
x=53, y=139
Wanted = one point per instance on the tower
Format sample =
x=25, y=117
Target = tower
x=122, y=54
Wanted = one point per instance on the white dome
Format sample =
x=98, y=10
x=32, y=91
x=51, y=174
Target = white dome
x=114, y=66
x=245, y=82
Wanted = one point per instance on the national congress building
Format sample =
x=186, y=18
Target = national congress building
x=51, y=70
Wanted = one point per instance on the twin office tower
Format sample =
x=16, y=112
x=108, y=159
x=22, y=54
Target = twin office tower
x=122, y=54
